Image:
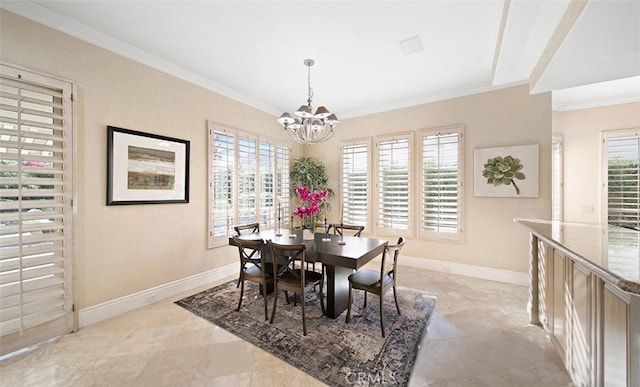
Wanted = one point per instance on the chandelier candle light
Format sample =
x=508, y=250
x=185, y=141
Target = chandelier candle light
x=308, y=127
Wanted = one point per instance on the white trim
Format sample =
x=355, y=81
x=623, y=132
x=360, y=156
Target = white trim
x=112, y=308
x=62, y=23
x=482, y=272
x=564, y=106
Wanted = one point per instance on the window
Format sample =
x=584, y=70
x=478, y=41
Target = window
x=248, y=175
x=221, y=185
x=393, y=185
x=621, y=177
x=247, y=180
x=441, y=180
x=283, y=158
x=36, y=154
x=557, y=178
x=354, y=188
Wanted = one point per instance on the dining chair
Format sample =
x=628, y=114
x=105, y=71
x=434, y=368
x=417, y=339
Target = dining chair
x=322, y=228
x=377, y=281
x=340, y=229
x=294, y=278
x=249, y=228
x=253, y=267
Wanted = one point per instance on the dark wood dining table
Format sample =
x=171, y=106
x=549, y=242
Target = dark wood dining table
x=339, y=259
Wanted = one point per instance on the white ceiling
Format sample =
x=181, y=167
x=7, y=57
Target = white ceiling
x=253, y=51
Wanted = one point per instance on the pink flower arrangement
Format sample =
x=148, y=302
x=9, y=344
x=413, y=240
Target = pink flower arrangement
x=311, y=202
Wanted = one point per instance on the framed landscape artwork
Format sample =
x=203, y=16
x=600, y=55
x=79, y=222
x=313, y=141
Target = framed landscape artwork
x=510, y=171
x=145, y=168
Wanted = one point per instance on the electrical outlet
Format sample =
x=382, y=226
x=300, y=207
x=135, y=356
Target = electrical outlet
x=587, y=209
x=150, y=298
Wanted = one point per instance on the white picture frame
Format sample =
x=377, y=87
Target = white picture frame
x=527, y=156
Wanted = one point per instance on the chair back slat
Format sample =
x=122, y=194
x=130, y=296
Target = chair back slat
x=249, y=228
x=249, y=250
x=284, y=258
x=339, y=229
x=321, y=227
x=392, y=252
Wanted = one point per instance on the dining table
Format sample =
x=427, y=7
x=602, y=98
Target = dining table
x=340, y=255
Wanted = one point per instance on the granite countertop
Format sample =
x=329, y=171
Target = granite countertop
x=613, y=252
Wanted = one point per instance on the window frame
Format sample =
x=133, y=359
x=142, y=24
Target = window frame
x=604, y=174
x=382, y=230
x=45, y=238
x=217, y=240
x=366, y=142
x=440, y=235
x=557, y=177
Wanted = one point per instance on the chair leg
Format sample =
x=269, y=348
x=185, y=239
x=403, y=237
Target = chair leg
x=304, y=321
x=264, y=296
x=321, y=295
x=396, y=298
x=349, y=304
x=365, y=298
x=275, y=303
x=239, y=276
x=241, y=292
x=381, y=318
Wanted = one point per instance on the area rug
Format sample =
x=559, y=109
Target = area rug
x=336, y=353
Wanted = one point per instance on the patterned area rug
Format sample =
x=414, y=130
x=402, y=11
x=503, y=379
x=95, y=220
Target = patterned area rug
x=334, y=352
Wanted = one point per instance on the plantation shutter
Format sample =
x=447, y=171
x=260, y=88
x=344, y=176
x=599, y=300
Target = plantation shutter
x=623, y=178
x=267, y=217
x=248, y=182
x=36, y=180
x=247, y=179
x=282, y=184
x=355, y=184
x=556, y=179
x=441, y=183
x=394, y=160
x=221, y=185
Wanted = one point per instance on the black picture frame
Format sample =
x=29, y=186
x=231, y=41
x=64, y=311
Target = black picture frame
x=145, y=168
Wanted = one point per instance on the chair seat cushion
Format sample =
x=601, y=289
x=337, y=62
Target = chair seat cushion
x=255, y=271
x=368, y=278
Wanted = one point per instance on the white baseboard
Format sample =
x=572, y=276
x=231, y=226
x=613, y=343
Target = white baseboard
x=482, y=272
x=100, y=312
x=112, y=308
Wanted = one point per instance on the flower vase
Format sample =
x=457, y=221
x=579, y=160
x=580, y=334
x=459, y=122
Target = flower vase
x=307, y=234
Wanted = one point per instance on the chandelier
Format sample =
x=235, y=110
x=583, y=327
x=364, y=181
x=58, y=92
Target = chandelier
x=308, y=127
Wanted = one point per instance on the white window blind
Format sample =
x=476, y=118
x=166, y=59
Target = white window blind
x=221, y=186
x=557, y=204
x=283, y=156
x=248, y=177
x=393, y=185
x=267, y=182
x=36, y=180
x=441, y=181
x=355, y=184
x=622, y=150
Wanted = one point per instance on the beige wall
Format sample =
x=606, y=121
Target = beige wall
x=126, y=249
x=499, y=118
x=581, y=131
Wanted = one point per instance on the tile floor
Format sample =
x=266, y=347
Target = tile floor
x=478, y=336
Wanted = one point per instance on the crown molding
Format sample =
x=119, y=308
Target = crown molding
x=69, y=26
x=560, y=106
